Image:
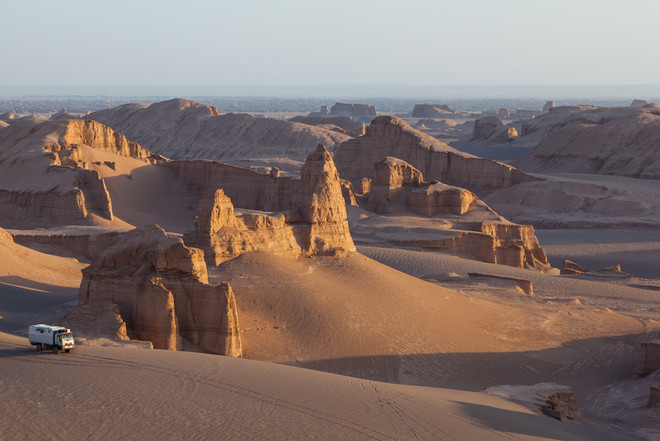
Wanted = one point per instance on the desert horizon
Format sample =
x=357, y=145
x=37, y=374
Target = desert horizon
x=431, y=221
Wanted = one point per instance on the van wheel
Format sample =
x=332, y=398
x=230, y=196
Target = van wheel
x=39, y=347
x=67, y=350
x=56, y=350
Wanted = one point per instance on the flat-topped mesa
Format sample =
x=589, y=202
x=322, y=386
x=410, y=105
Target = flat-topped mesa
x=391, y=136
x=162, y=291
x=363, y=112
x=431, y=110
x=306, y=215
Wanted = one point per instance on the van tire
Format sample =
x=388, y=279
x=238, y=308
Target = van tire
x=56, y=350
x=39, y=347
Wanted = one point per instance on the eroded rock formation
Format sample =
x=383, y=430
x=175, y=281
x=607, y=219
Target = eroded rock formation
x=484, y=126
x=185, y=129
x=649, y=358
x=347, y=124
x=468, y=226
x=391, y=136
x=551, y=399
x=162, y=291
x=305, y=215
x=431, y=110
x=363, y=112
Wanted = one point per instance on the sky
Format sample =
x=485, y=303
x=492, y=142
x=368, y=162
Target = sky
x=338, y=43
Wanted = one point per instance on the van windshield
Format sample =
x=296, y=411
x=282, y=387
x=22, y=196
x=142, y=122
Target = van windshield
x=67, y=336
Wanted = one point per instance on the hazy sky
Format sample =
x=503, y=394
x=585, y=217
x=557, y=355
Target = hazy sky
x=337, y=42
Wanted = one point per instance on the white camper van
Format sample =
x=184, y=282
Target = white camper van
x=46, y=337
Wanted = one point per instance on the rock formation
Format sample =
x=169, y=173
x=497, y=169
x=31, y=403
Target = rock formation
x=523, y=284
x=548, y=105
x=638, y=103
x=551, y=399
x=649, y=358
x=390, y=175
x=363, y=112
x=654, y=396
x=571, y=268
x=503, y=113
x=588, y=139
x=306, y=215
x=391, y=136
x=431, y=110
x=184, y=129
x=484, y=126
x=441, y=198
x=468, y=226
x=349, y=125
x=46, y=175
x=162, y=291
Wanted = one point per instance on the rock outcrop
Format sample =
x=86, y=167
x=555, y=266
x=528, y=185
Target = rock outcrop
x=441, y=198
x=503, y=113
x=654, y=396
x=484, y=126
x=550, y=399
x=638, y=103
x=571, y=268
x=349, y=125
x=587, y=139
x=305, y=215
x=184, y=129
x=46, y=174
x=523, y=284
x=548, y=105
x=362, y=112
x=390, y=175
x=649, y=358
x=391, y=136
x=431, y=110
x=162, y=291
x=462, y=223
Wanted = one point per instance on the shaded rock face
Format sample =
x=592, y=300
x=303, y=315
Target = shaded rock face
x=503, y=113
x=484, y=126
x=599, y=140
x=638, y=103
x=649, y=358
x=548, y=105
x=162, y=291
x=431, y=110
x=551, y=399
x=654, y=396
x=571, y=268
x=516, y=245
x=391, y=136
x=307, y=215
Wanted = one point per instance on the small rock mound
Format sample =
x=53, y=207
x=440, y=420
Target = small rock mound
x=550, y=399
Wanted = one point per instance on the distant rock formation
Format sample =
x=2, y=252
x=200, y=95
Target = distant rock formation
x=504, y=136
x=391, y=136
x=347, y=124
x=548, y=105
x=571, y=268
x=162, y=291
x=184, y=129
x=503, y=113
x=431, y=110
x=439, y=124
x=476, y=230
x=63, y=114
x=638, y=103
x=362, y=112
x=7, y=117
x=309, y=213
x=523, y=284
x=484, y=126
x=588, y=139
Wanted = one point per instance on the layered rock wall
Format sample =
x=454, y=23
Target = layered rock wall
x=391, y=136
x=162, y=291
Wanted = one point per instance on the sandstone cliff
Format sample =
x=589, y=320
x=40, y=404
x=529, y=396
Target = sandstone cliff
x=303, y=216
x=454, y=219
x=46, y=171
x=391, y=136
x=162, y=291
x=347, y=124
x=184, y=129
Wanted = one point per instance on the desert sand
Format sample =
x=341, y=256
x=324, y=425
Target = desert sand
x=397, y=339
